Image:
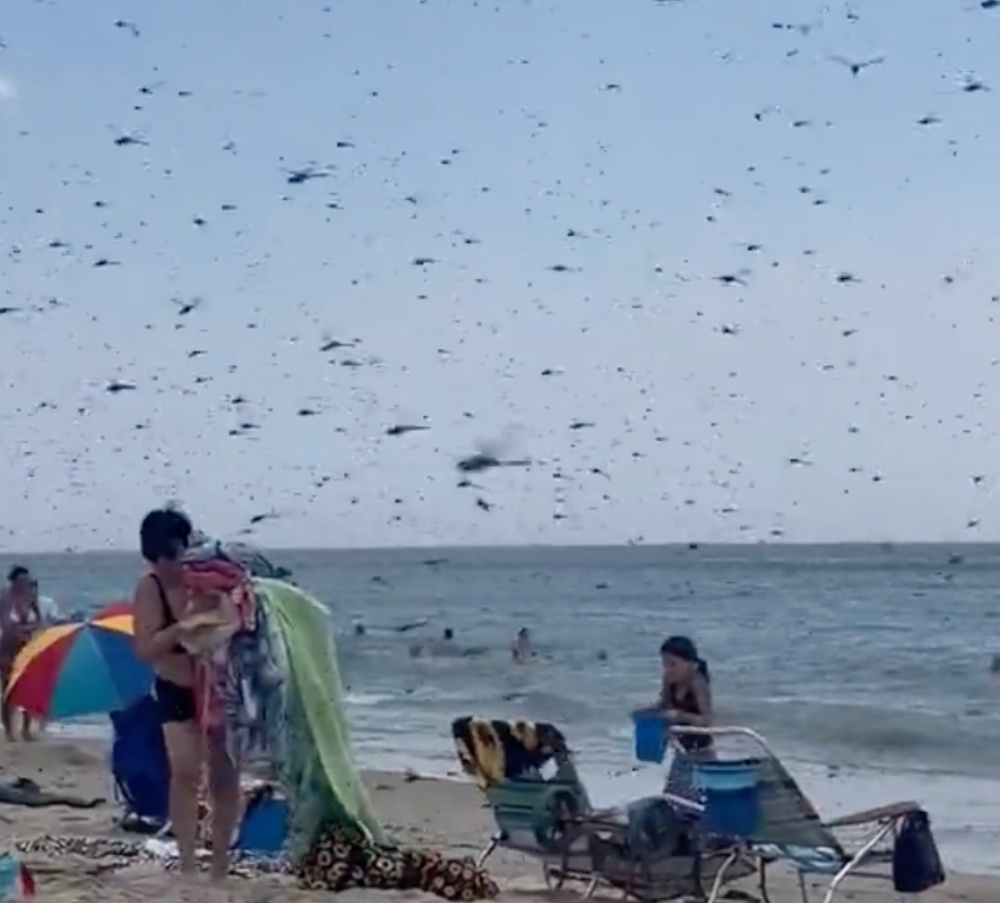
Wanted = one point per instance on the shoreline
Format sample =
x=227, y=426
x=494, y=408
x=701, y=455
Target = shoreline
x=440, y=812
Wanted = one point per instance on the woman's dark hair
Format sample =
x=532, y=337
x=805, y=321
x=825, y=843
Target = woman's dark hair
x=18, y=571
x=683, y=647
x=164, y=533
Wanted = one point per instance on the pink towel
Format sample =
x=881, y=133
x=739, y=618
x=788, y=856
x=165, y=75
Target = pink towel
x=214, y=678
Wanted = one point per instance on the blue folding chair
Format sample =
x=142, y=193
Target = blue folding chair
x=140, y=767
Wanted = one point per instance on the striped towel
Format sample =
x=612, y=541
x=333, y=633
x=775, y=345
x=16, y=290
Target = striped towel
x=681, y=781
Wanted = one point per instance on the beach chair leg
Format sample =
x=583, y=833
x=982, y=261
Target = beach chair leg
x=803, y=890
x=487, y=851
x=762, y=882
x=720, y=875
x=591, y=888
x=555, y=876
x=857, y=859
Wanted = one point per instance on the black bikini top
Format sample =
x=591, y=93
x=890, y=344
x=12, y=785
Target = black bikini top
x=169, y=619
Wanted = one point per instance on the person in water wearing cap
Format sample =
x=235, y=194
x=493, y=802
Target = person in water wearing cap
x=685, y=693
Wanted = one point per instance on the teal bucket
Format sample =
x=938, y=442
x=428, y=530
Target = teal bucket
x=649, y=729
x=731, y=797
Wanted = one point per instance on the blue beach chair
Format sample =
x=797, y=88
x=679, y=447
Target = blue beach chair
x=140, y=767
x=890, y=844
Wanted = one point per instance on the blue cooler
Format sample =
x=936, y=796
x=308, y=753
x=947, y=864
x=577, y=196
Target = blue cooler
x=732, y=797
x=650, y=731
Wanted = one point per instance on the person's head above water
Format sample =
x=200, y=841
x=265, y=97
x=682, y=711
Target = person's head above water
x=359, y=629
x=680, y=659
x=164, y=537
x=449, y=634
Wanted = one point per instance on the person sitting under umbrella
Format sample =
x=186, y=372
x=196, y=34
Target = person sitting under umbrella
x=19, y=618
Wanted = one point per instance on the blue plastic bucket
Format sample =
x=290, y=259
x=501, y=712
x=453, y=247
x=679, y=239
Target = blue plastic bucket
x=732, y=797
x=650, y=732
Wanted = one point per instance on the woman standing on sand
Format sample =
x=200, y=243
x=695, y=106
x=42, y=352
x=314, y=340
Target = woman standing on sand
x=19, y=618
x=160, y=607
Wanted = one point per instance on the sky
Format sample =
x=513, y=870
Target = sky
x=711, y=283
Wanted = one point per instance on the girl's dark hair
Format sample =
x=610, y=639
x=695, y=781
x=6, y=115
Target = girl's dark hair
x=18, y=571
x=164, y=533
x=683, y=647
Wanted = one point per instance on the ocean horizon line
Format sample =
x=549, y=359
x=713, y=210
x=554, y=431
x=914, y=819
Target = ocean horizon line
x=680, y=546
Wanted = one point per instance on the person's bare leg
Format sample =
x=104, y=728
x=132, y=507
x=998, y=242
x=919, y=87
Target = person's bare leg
x=7, y=715
x=224, y=787
x=183, y=742
x=26, y=733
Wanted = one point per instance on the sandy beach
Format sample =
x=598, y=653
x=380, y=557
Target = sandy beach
x=441, y=814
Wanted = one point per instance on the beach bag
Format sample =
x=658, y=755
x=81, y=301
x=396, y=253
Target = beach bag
x=140, y=765
x=916, y=863
x=264, y=829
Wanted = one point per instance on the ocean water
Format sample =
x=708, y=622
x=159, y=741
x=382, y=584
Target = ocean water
x=866, y=667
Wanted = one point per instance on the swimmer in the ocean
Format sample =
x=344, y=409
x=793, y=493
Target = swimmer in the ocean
x=443, y=646
x=520, y=649
x=359, y=629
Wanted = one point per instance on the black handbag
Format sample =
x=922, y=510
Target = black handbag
x=916, y=862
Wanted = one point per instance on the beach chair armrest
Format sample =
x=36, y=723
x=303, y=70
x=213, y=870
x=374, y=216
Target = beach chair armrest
x=689, y=806
x=593, y=818
x=880, y=813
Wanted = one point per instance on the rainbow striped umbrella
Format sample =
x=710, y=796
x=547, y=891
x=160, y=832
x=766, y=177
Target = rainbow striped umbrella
x=117, y=607
x=87, y=668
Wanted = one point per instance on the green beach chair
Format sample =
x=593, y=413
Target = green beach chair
x=551, y=819
x=874, y=844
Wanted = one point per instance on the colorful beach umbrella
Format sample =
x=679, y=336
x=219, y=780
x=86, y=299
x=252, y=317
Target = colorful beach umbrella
x=87, y=668
x=117, y=607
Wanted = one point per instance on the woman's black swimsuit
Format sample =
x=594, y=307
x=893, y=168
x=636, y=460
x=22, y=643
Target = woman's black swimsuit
x=687, y=702
x=175, y=702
